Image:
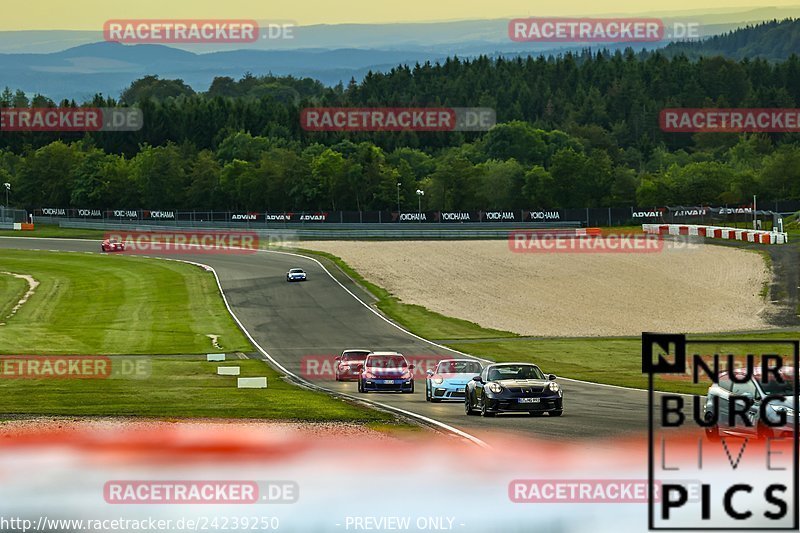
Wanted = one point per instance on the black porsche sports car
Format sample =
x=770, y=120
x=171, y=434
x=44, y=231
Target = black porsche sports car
x=514, y=387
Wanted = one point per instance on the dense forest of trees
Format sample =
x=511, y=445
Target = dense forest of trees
x=574, y=131
x=772, y=40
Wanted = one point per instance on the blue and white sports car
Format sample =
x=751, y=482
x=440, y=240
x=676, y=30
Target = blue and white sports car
x=296, y=274
x=449, y=380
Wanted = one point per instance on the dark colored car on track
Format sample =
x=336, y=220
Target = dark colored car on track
x=112, y=245
x=768, y=406
x=514, y=387
x=350, y=364
x=386, y=371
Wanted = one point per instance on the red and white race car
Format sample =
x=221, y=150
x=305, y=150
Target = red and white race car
x=112, y=245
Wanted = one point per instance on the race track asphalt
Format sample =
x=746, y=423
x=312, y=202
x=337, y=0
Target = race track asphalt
x=319, y=317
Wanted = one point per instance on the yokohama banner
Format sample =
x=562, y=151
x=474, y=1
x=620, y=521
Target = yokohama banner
x=599, y=216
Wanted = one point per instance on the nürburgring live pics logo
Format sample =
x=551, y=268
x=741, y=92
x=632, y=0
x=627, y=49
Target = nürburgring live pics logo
x=739, y=438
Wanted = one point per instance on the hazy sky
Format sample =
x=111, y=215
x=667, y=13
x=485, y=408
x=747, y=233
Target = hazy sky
x=90, y=14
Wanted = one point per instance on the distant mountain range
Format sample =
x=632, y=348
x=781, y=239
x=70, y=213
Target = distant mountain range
x=774, y=40
x=77, y=64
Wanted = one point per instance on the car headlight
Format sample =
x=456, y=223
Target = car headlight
x=438, y=380
x=554, y=386
x=406, y=375
x=495, y=388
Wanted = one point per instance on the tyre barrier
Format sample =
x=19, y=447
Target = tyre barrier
x=716, y=232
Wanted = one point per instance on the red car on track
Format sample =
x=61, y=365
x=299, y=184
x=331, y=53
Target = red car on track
x=350, y=364
x=112, y=245
x=386, y=371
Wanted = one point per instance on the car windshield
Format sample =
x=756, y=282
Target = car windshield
x=515, y=372
x=387, y=361
x=354, y=356
x=459, y=367
x=296, y=271
x=773, y=386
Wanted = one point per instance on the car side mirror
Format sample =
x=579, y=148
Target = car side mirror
x=337, y=358
x=429, y=372
x=478, y=379
x=552, y=377
x=411, y=367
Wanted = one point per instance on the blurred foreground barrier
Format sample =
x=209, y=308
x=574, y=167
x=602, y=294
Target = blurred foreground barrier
x=215, y=357
x=252, y=383
x=228, y=370
x=715, y=232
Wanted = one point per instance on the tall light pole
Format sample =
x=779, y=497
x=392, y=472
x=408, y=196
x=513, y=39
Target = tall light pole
x=8, y=188
x=420, y=194
x=755, y=216
x=398, y=201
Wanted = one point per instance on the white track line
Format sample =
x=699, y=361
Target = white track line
x=446, y=427
x=309, y=384
x=373, y=310
x=382, y=317
x=401, y=328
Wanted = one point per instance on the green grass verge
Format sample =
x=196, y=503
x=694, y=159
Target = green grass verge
x=181, y=387
x=48, y=231
x=95, y=304
x=764, y=292
x=613, y=361
x=12, y=289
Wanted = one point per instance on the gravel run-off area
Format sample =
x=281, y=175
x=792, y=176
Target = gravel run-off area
x=704, y=289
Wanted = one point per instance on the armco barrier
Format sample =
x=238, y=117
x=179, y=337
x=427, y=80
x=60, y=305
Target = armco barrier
x=714, y=232
x=16, y=226
x=704, y=215
x=346, y=232
x=186, y=224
